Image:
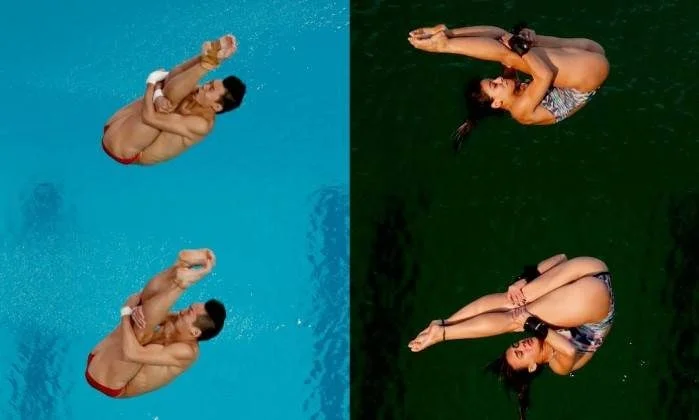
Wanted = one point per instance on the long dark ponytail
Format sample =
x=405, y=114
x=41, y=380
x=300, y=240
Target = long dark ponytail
x=478, y=107
x=478, y=104
x=515, y=381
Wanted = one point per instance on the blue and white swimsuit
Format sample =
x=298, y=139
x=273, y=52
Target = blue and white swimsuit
x=562, y=102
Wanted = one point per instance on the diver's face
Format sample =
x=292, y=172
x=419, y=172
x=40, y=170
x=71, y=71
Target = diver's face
x=188, y=317
x=523, y=354
x=210, y=94
x=498, y=89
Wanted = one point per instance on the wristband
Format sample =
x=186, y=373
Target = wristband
x=126, y=311
x=156, y=76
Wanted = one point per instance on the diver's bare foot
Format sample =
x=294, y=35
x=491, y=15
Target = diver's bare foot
x=193, y=266
x=434, y=43
x=214, y=52
x=424, y=33
x=428, y=337
x=187, y=276
x=190, y=257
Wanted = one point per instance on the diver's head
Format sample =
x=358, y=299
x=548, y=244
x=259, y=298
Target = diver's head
x=481, y=105
x=201, y=321
x=524, y=354
x=517, y=368
x=221, y=95
x=497, y=93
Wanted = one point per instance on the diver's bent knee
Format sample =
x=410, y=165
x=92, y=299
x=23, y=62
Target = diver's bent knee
x=593, y=46
x=591, y=262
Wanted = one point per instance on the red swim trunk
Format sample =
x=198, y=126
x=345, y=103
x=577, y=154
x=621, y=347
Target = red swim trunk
x=110, y=392
x=123, y=161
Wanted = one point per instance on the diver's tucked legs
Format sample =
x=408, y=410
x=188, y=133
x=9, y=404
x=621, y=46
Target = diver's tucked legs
x=499, y=301
x=560, y=275
x=582, y=301
x=158, y=283
x=482, y=48
x=162, y=280
x=483, y=325
x=184, y=80
x=129, y=134
x=180, y=68
x=489, y=303
x=163, y=290
x=579, y=43
x=177, y=88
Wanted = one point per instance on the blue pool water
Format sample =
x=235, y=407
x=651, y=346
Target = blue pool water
x=267, y=191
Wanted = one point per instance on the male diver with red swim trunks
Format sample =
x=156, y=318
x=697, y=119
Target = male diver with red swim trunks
x=174, y=113
x=152, y=346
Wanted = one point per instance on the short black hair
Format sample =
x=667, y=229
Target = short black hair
x=212, y=323
x=235, y=91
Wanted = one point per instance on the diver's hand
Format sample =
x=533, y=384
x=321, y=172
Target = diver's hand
x=528, y=34
x=163, y=105
x=515, y=294
x=138, y=318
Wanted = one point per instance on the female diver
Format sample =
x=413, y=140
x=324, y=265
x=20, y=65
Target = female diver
x=567, y=305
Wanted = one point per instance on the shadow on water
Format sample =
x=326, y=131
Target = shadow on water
x=678, y=392
x=35, y=377
x=328, y=253
x=381, y=302
x=39, y=229
x=43, y=215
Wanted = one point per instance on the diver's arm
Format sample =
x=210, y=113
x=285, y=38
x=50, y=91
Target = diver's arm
x=564, y=356
x=564, y=351
x=562, y=364
x=190, y=126
x=177, y=354
x=561, y=344
x=543, y=75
